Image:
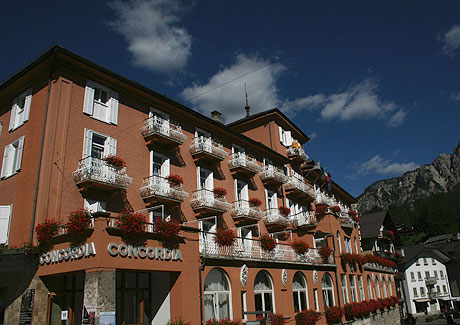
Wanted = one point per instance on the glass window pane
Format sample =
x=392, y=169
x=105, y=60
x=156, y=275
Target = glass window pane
x=258, y=301
x=296, y=302
x=209, y=307
x=224, y=305
x=268, y=301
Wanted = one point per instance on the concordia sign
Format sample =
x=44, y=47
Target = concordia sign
x=151, y=252
x=71, y=253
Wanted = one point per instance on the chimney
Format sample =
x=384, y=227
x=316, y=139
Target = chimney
x=216, y=116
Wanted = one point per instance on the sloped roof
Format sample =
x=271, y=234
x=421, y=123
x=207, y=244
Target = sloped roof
x=370, y=224
x=413, y=252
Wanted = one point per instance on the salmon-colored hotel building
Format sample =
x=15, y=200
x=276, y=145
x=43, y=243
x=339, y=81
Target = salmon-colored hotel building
x=62, y=114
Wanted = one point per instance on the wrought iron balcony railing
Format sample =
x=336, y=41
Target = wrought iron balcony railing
x=271, y=173
x=243, y=162
x=431, y=280
x=159, y=187
x=346, y=221
x=433, y=295
x=297, y=152
x=299, y=186
x=274, y=217
x=206, y=200
x=304, y=218
x=163, y=128
x=208, y=147
x=243, y=210
x=98, y=171
x=249, y=249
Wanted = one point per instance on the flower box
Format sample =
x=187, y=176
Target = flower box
x=79, y=221
x=300, y=247
x=115, y=161
x=219, y=192
x=175, y=180
x=335, y=209
x=225, y=237
x=325, y=252
x=321, y=210
x=47, y=230
x=255, y=202
x=333, y=314
x=307, y=317
x=267, y=243
x=131, y=224
x=168, y=229
x=284, y=211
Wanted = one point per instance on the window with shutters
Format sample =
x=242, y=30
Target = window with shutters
x=101, y=103
x=285, y=137
x=5, y=218
x=93, y=205
x=20, y=110
x=12, y=158
x=98, y=145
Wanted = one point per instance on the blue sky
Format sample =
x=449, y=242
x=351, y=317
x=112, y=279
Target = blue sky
x=375, y=84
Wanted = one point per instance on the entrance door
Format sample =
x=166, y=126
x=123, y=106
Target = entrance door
x=66, y=299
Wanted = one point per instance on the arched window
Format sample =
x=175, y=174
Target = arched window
x=217, y=295
x=338, y=242
x=328, y=290
x=356, y=245
x=299, y=289
x=369, y=287
x=263, y=292
x=377, y=289
x=384, y=285
x=389, y=286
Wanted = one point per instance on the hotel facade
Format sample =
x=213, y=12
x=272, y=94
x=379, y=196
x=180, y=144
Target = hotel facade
x=62, y=114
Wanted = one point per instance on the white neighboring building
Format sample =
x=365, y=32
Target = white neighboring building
x=426, y=284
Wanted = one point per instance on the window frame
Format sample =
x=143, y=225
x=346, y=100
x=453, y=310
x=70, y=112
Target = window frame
x=17, y=120
x=5, y=216
x=112, y=102
x=11, y=164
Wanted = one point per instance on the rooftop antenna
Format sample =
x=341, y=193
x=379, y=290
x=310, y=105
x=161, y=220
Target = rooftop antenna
x=247, y=107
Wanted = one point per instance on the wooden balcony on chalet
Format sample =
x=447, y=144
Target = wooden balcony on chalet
x=158, y=190
x=241, y=163
x=158, y=130
x=203, y=148
x=97, y=173
x=205, y=202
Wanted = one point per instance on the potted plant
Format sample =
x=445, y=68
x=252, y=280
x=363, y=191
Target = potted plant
x=324, y=252
x=333, y=314
x=276, y=319
x=255, y=202
x=175, y=180
x=300, y=247
x=352, y=213
x=79, y=221
x=321, y=210
x=335, y=209
x=225, y=237
x=47, y=230
x=115, y=161
x=284, y=211
x=267, y=243
x=307, y=317
x=219, y=192
x=131, y=224
x=168, y=229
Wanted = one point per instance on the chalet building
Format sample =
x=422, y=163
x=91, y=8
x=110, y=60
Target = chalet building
x=62, y=115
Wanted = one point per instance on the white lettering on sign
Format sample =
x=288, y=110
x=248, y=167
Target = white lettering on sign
x=70, y=253
x=158, y=253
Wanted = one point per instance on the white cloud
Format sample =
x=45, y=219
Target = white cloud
x=151, y=29
x=384, y=167
x=455, y=96
x=230, y=99
x=451, y=40
x=359, y=101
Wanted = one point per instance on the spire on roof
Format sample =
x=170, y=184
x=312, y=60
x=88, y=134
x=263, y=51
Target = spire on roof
x=247, y=107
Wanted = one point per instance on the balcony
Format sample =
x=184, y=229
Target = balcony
x=242, y=211
x=203, y=148
x=273, y=219
x=97, y=173
x=245, y=249
x=433, y=295
x=431, y=280
x=158, y=130
x=346, y=221
x=304, y=219
x=157, y=190
x=296, y=153
x=299, y=189
x=241, y=163
x=273, y=175
x=204, y=201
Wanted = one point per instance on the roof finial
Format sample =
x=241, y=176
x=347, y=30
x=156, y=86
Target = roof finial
x=247, y=107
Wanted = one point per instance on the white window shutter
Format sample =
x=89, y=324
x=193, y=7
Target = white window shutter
x=288, y=141
x=87, y=142
x=13, y=114
x=5, y=216
x=28, y=101
x=165, y=167
x=5, y=160
x=110, y=147
x=281, y=131
x=114, y=108
x=89, y=98
x=19, y=154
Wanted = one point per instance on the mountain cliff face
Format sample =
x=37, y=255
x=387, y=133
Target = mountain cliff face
x=443, y=175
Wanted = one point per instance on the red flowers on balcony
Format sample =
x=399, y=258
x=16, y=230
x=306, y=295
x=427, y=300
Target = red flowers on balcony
x=335, y=209
x=168, y=229
x=131, y=224
x=352, y=213
x=325, y=252
x=321, y=210
x=219, y=192
x=380, y=261
x=333, y=314
x=365, y=308
x=284, y=211
x=79, y=221
x=46, y=230
x=300, y=247
x=175, y=180
x=115, y=161
x=267, y=243
x=225, y=237
x=307, y=317
x=255, y=202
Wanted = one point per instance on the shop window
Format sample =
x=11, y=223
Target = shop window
x=328, y=290
x=217, y=295
x=12, y=158
x=299, y=289
x=263, y=292
x=101, y=103
x=20, y=110
x=5, y=217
